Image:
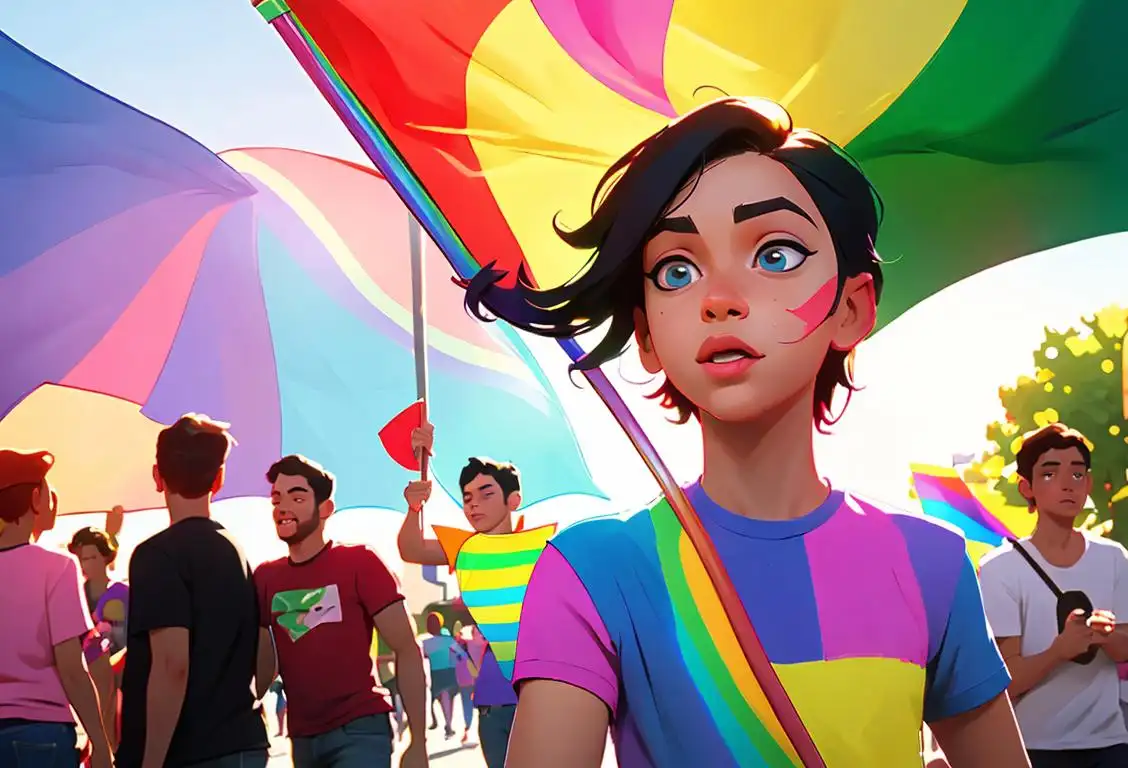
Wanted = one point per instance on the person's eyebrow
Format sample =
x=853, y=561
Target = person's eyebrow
x=746, y=211
x=298, y=489
x=679, y=225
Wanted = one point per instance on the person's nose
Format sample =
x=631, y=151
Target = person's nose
x=722, y=304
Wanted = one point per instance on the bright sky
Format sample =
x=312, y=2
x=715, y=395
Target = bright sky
x=213, y=69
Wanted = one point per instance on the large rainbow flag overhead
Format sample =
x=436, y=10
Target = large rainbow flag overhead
x=142, y=276
x=971, y=116
x=992, y=131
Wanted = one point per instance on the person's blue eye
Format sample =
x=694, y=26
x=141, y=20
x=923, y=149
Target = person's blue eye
x=673, y=273
x=781, y=256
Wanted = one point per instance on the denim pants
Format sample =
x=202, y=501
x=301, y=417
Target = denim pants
x=38, y=745
x=255, y=758
x=494, y=725
x=362, y=743
x=1108, y=757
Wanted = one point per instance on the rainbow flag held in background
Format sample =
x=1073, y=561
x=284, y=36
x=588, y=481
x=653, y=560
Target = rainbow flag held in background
x=945, y=496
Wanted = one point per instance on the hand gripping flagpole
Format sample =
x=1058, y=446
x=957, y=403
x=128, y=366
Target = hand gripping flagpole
x=395, y=170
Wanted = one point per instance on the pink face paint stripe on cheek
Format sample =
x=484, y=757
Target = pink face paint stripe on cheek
x=815, y=309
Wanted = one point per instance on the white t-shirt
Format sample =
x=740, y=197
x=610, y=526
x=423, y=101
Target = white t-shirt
x=1077, y=706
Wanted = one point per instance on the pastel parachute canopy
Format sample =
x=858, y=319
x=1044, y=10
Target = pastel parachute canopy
x=143, y=277
x=990, y=132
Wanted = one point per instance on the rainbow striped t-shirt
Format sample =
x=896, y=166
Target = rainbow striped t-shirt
x=493, y=571
x=873, y=621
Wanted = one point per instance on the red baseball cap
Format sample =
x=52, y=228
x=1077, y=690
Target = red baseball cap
x=20, y=467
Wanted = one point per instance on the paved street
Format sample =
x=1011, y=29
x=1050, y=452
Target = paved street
x=444, y=754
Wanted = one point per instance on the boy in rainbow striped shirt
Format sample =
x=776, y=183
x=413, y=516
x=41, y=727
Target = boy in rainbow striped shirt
x=492, y=563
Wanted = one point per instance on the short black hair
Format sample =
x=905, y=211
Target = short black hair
x=507, y=476
x=1039, y=442
x=106, y=543
x=320, y=479
x=638, y=190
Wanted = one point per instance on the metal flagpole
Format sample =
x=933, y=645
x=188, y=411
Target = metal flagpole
x=419, y=319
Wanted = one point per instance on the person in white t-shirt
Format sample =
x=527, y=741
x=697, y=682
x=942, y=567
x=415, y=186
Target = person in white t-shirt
x=1052, y=601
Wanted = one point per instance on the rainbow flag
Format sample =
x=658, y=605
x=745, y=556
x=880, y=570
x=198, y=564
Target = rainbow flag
x=143, y=277
x=945, y=496
x=525, y=103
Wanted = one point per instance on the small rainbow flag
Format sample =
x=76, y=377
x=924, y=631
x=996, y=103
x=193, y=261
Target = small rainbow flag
x=945, y=496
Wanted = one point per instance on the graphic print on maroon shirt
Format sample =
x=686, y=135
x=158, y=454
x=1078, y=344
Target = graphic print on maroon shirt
x=320, y=613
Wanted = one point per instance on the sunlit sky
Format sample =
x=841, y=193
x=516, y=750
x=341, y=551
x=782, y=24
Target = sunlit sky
x=213, y=69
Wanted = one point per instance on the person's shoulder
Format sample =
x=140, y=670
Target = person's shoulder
x=1000, y=561
x=51, y=561
x=353, y=553
x=916, y=528
x=1108, y=548
x=610, y=529
x=267, y=567
x=610, y=541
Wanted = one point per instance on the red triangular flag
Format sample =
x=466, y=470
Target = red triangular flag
x=396, y=435
x=520, y=524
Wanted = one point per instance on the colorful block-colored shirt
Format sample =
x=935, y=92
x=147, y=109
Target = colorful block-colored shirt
x=872, y=620
x=493, y=571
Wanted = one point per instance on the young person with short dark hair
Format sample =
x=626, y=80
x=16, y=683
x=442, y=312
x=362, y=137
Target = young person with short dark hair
x=492, y=562
x=322, y=603
x=193, y=622
x=739, y=253
x=108, y=602
x=1053, y=600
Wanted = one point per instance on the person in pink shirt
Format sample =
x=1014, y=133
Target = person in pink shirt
x=42, y=674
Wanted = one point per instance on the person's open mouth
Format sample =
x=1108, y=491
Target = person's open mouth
x=726, y=356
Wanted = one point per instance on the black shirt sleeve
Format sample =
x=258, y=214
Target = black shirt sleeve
x=158, y=595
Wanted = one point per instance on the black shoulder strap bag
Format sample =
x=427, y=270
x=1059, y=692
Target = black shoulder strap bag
x=1067, y=602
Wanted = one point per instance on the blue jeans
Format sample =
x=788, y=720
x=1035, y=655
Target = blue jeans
x=255, y=758
x=362, y=743
x=38, y=745
x=1108, y=757
x=494, y=725
x=467, y=705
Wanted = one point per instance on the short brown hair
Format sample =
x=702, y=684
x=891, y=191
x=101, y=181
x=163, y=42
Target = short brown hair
x=1037, y=443
x=15, y=501
x=94, y=537
x=191, y=453
x=295, y=465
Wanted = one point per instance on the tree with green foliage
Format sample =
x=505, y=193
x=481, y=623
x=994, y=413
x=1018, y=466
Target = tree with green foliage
x=1078, y=380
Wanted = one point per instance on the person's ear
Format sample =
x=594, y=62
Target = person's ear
x=220, y=476
x=856, y=315
x=513, y=502
x=646, y=354
x=157, y=479
x=1027, y=492
x=326, y=509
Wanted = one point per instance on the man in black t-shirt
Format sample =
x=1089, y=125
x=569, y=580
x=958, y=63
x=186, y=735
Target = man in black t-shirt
x=194, y=633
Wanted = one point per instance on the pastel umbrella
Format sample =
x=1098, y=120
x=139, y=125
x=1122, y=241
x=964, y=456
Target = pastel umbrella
x=143, y=277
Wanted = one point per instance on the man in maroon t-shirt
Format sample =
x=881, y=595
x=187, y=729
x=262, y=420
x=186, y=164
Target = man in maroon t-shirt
x=322, y=604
